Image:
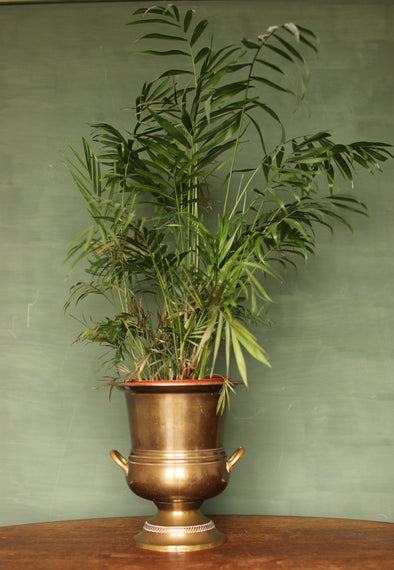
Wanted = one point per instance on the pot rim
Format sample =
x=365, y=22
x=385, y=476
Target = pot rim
x=215, y=383
x=214, y=380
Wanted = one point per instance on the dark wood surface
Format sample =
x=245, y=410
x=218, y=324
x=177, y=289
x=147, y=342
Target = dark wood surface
x=254, y=542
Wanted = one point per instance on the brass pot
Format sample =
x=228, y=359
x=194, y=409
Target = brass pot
x=177, y=460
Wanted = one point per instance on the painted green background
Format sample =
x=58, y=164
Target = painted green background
x=318, y=427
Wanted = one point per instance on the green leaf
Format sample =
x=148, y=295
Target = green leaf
x=290, y=48
x=241, y=335
x=269, y=110
x=237, y=67
x=175, y=11
x=199, y=29
x=343, y=167
x=256, y=266
x=207, y=109
x=186, y=121
x=307, y=32
x=228, y=91
x=298, y=227
x=170, y=129
x=172, y=72
x=249, y=44
x=162, y=53
x=272, y=84
x=270, y=65
x=309, y=44
x=239, y=358
x=166, y=37
x=214, y=152
x=209, y=329
x=320, y=136
x=218, y=339
x=279, y=52
x=188, y=18
x=219, y=58
x=201, y=54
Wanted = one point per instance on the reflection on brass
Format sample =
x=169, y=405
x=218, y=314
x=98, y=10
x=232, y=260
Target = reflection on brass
x=177, y=461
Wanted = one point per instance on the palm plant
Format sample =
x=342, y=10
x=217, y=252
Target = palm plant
x=182, y=236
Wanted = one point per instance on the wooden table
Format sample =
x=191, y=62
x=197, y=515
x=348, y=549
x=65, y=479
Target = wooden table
x=252, y=542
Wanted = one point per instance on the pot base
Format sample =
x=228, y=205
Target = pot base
x=178, y=535
x=179, y=539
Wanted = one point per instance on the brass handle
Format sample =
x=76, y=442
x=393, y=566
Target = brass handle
x=236, y=456
x=120, y=460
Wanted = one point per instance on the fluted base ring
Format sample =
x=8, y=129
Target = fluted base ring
x=179, y=529
x=179, y=538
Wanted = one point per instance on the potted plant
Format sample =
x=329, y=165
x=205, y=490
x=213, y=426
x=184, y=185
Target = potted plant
x=191, y=211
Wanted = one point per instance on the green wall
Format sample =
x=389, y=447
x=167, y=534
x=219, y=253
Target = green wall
x=318, y=427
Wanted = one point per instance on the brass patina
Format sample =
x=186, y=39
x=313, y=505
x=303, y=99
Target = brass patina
x=177, y=460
